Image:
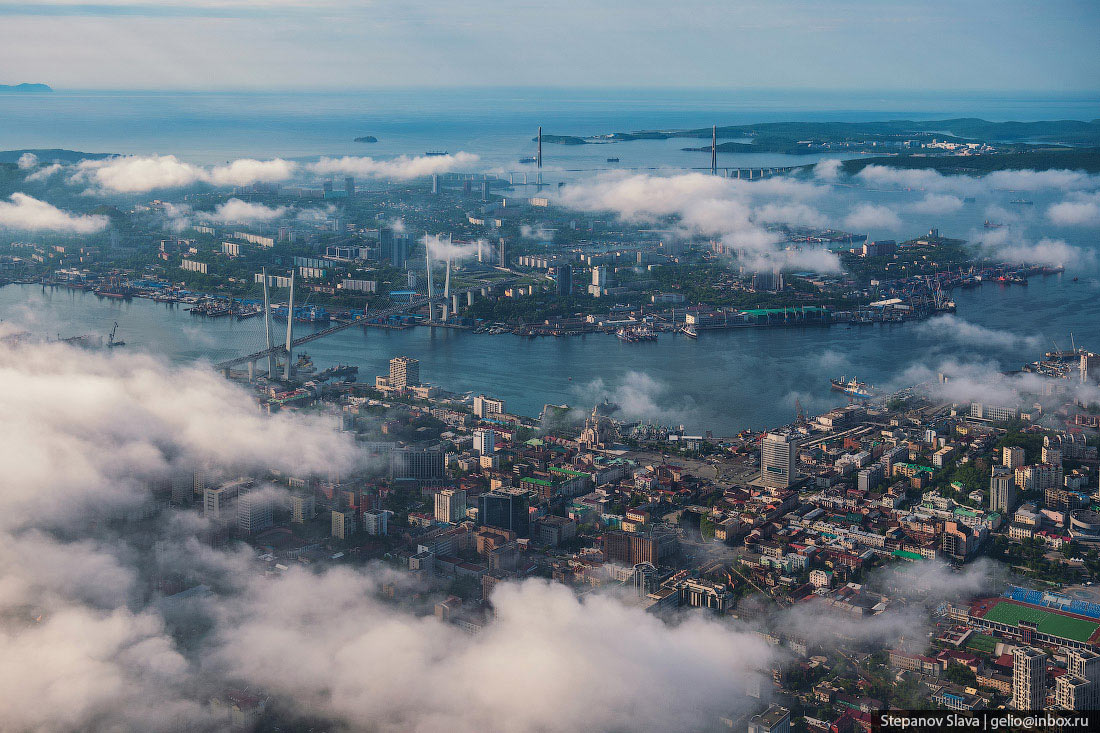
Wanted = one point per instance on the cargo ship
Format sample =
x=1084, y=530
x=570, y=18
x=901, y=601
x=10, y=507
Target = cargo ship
x=853, y=388
x=435, y=153
x=529, y=159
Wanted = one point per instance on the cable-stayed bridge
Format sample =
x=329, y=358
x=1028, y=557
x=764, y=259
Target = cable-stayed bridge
x=415, y=304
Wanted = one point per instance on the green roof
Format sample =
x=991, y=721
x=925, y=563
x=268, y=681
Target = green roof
x=538, y=481
x=905, y=554
x=1047, y=622
x=567, y=471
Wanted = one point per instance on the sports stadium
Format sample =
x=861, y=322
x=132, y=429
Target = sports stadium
x=1036, y=617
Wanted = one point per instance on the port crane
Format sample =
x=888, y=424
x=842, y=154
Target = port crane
x=111, y=342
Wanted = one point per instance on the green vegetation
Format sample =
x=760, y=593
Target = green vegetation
x=1030, y=442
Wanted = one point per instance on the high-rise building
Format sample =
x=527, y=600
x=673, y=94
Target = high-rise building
x=504, y=511
x=485, y=442
x=349, y=186
x=343, y=524
x=1013, y=457
x=778, y=460
x=1029, y=678
x=302, y=508
x=487, y=406
x=563, y=278
x=1002, y=490
x=253, y=509
x=1079, y=688
x=417, y=464
x=404, y=372
x=450, y=505
x=376, y=522
x=631, y=548
x=220, y=502
x=776, y=719
x=435, y=184
x=398, y=252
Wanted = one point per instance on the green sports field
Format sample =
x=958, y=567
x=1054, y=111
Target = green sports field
x=1047, y=622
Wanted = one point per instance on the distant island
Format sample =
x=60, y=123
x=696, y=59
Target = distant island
x=21, y=88
x=563, y=139
x=899, y=143
x=366, y=139
x=51, y=155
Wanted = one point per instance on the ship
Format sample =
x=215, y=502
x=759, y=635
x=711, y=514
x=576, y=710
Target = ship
x=305, y=364
x=690, y=332
x=612, y=160
x=346, y=372
x=529, y=159
x=853, y=388
x=1021, y=202
x=636, y=335
x=435, y=153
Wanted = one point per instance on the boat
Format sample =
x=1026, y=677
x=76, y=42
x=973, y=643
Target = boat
x=612, y=160
x=435, y=153
x=1021, y=202
x=636, y=335
x=345, y=371
x=529, y=159
x=305, y=364
x=690, y=332
x=853, y=388
x=251, y=312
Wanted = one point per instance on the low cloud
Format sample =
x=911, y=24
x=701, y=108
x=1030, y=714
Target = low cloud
x=444, y=248
x=1009, y=245
x=88, y=433
x=869, y=217
x=638, y=397
x=400, y=168
x=143, y=173
x=235, y=210
x=27, y=161
x=828, y=170
x=26, y=213
x=934, y=203
x=1011, y=180
x=1079, y=210
x=950, y=327
x=738, y=212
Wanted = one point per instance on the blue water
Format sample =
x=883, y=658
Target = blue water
x=723, y=381
x=496, y=123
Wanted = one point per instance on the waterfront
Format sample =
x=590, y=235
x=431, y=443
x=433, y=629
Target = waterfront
x=724, y=381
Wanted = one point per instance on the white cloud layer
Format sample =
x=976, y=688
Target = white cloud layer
x=735, y=211
x=401, y=168
x=26, y=213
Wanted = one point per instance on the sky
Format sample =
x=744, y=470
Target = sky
x=958, y=45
